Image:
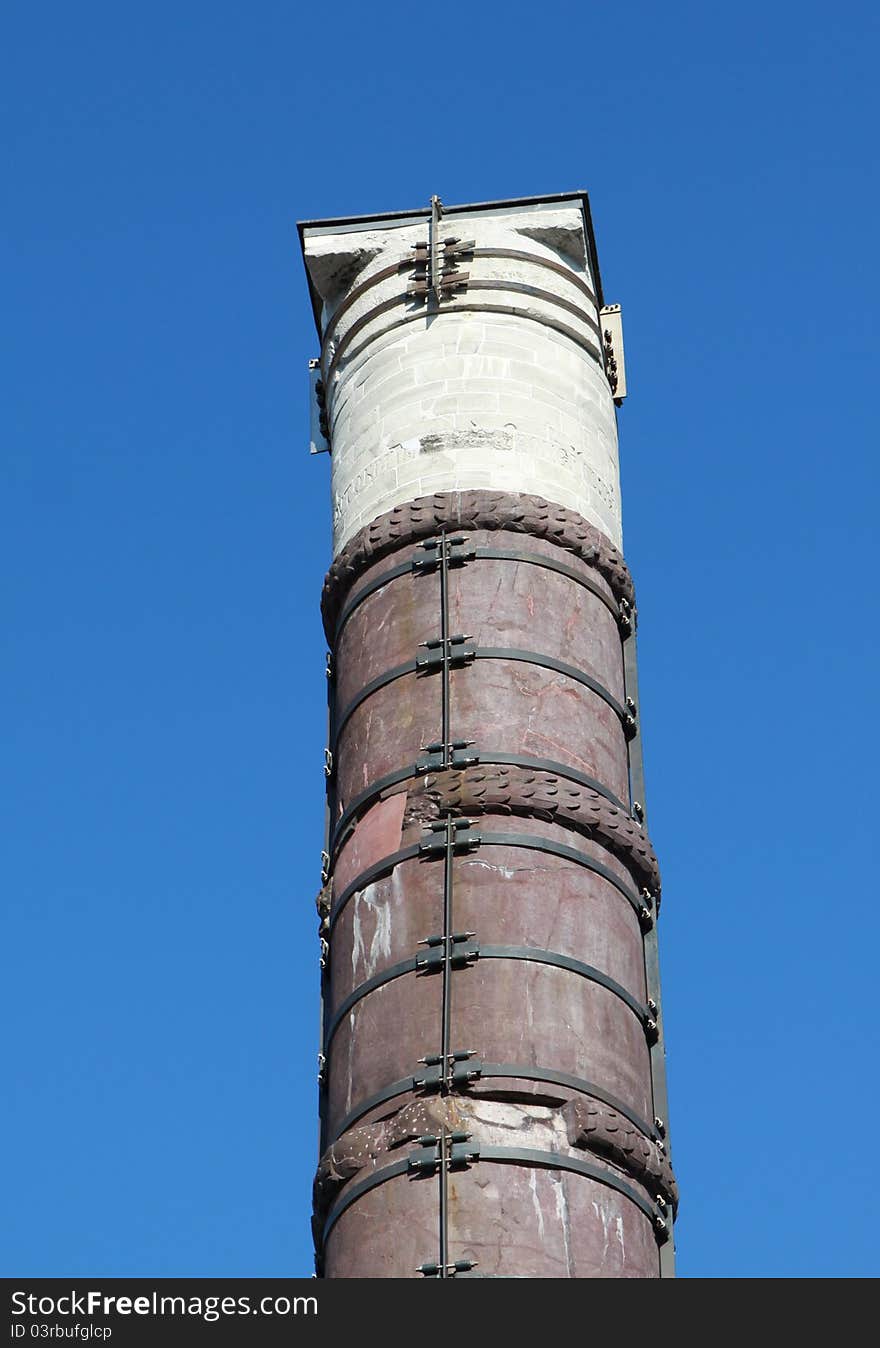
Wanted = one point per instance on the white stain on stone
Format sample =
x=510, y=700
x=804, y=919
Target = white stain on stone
x=562, y=1214
x=506, y=871
x=533, y=1185
x=350, y=1060
x=610, y=1224
x=380, y=940
x=618, y=1222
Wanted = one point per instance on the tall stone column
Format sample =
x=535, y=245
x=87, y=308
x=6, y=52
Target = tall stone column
x=492, y=1081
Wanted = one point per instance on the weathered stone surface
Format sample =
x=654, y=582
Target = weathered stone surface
x=491, y=421
x=504, y=388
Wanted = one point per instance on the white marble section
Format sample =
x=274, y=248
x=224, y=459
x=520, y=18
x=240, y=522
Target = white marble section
x=466, y=397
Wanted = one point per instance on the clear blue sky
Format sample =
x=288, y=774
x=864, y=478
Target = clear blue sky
x=164, y=537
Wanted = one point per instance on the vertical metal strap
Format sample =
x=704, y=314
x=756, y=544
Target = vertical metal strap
x=446, y=1026
x=434, y=267
x=448, y=857
x=444, y=637
x=651, y=950
x=444, y=1201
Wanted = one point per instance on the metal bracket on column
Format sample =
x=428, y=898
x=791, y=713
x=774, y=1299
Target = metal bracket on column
x=319, y=429
x=436, y=276
x=453, y=1151
x=438, y=757
x=446, y=1270
x=448, y=1071
x=457, y=554
x=463, y=950
x=464, y=837
x=631, y=720
x=444, y=653
x=612, y=350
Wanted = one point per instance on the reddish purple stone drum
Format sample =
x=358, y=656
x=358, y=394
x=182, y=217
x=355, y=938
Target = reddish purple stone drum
x=490, y=1028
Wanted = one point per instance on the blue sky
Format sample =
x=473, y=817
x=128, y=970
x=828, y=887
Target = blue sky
x=164, y=537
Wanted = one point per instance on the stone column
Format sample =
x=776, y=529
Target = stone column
x=492, y=1091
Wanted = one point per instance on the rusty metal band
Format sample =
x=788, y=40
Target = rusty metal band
x=379, y=583
x=408, y=263
x=534, y=843
x=493, y=511
x=451, y=305
x=545, y=1160
x=486, y=653
x=506, y=1070
x=526, y=840
x=485, y=757
x=458, y=306
x=532, y=954
x=381, y=681
x=518, y=255
x=384, y=274
x=559, y=667
x=480, y=554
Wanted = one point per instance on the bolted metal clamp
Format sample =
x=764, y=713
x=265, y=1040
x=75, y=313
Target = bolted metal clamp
x=455, y=1070
x=464, y=837
x=436, y=275
x=437, y=757
x=437, y=1270
x=427, y=1159
x=462, y=951
x=440, y=652
x=631, y=720
x=458, y=553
